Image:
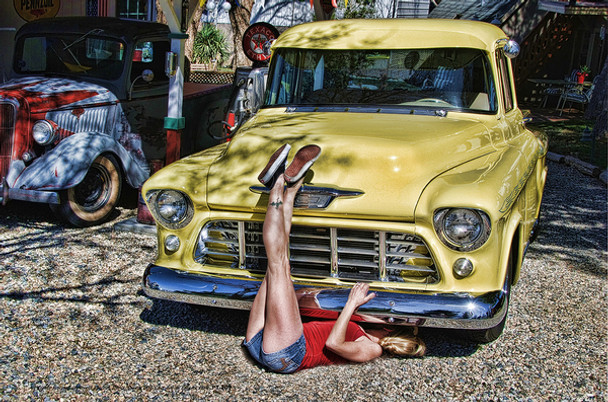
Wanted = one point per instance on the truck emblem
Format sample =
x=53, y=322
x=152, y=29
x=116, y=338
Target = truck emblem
x=78, y=112
x=313, y=197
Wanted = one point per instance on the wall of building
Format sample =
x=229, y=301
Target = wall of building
x=282, y=13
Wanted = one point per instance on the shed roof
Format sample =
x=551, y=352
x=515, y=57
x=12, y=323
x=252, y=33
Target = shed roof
x=476, y=10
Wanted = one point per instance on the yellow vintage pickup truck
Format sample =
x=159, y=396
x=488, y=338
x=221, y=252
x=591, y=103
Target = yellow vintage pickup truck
x=428, y=188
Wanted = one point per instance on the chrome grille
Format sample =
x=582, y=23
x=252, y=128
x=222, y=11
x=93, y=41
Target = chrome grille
x=94, y=119
x=321, y=252
x=7, y=127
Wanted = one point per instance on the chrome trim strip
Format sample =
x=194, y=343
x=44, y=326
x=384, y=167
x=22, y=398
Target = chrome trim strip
x=48, y=197
x=303, y=198
x=382, y=255
x=242, y=248
x=360, y=109
x=331, y=191
x=425, y=309
x=333, y=238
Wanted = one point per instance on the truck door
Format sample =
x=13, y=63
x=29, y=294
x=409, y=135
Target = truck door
x=146, y=104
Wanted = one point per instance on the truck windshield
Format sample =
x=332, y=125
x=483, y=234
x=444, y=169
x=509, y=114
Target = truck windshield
x=70, y=55
x=446, y=78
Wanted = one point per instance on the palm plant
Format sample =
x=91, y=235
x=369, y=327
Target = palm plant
x=209, y=44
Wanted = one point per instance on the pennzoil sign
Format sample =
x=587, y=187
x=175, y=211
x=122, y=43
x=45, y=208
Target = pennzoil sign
x=31, y=10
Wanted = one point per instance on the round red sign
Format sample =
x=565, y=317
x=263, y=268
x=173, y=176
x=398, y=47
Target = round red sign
x=254, y=39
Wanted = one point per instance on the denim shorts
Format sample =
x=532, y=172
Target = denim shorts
x=284, y=361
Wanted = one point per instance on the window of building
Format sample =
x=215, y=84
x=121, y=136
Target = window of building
x=136, y=9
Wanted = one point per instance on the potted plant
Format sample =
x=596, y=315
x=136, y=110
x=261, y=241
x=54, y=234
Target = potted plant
x=582, y=74
x=209, y=47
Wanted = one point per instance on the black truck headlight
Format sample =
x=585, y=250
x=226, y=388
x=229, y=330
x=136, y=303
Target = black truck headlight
x=44, y=132
x=462, y=229
x=172, y=209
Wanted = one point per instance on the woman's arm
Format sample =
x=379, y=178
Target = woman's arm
x=362, y=349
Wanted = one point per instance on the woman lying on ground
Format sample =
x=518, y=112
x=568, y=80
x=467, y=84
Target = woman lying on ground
x=276, y=337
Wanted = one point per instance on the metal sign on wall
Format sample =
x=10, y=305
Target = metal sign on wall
x=31, y=10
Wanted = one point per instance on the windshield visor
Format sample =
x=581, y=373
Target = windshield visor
x=448, y=78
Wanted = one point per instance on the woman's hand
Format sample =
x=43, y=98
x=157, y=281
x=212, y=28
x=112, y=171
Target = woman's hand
x=362, y=349
x=358, y=295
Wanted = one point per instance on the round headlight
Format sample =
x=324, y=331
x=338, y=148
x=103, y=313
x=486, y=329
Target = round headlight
x=44, y=132
x=462, y=229
x=462, y=226
x=171, y=208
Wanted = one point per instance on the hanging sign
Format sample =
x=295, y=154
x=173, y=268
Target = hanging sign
x=31, y=10
x=325, y=4
x=254, y=39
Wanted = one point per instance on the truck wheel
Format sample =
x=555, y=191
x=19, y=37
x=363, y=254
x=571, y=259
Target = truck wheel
x=536, y=228
x=92, y=200
x=491, y=334
x=486, y=335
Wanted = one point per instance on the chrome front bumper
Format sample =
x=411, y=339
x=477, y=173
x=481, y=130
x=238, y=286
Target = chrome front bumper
x=423, y=309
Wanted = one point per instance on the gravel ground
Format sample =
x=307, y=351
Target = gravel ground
x=74, y=324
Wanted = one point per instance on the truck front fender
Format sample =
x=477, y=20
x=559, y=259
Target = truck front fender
x=66, y=165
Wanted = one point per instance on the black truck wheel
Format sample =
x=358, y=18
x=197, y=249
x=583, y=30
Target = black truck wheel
x=93, y=200
x=487, y=335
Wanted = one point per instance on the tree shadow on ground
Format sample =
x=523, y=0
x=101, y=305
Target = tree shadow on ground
x=33, y=215
x=573, y=221
x=111, y=292
x=27, y=214
x=196, y=318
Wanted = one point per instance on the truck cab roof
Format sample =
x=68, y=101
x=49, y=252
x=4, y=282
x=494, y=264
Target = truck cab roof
x=128, y=30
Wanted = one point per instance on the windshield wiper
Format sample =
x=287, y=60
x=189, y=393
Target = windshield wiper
x=70, y=66
x=96, y=31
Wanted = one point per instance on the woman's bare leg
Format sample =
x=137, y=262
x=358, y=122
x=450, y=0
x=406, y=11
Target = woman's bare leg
x=257, y=315
x=283, y=325
x=289, y=197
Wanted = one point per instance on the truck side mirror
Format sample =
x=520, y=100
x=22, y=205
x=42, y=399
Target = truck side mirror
x=266, y=47
x=511, y=49
x=147, y=75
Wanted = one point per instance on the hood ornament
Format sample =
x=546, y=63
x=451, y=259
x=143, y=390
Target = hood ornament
x=313, y=197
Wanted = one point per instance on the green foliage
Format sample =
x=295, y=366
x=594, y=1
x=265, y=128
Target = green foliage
x=565, y=139
x=209, y=44
x=585, y=69
x=357, y=9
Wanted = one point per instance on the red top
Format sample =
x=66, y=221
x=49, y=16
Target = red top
x=316, y=334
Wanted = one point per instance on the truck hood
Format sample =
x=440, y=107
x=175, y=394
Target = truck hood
x=389, y=158
x=42, y=94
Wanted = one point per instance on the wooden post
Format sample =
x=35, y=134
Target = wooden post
x=177, y=15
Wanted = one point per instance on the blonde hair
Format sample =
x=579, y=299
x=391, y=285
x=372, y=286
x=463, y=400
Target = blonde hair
x=403, y=343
